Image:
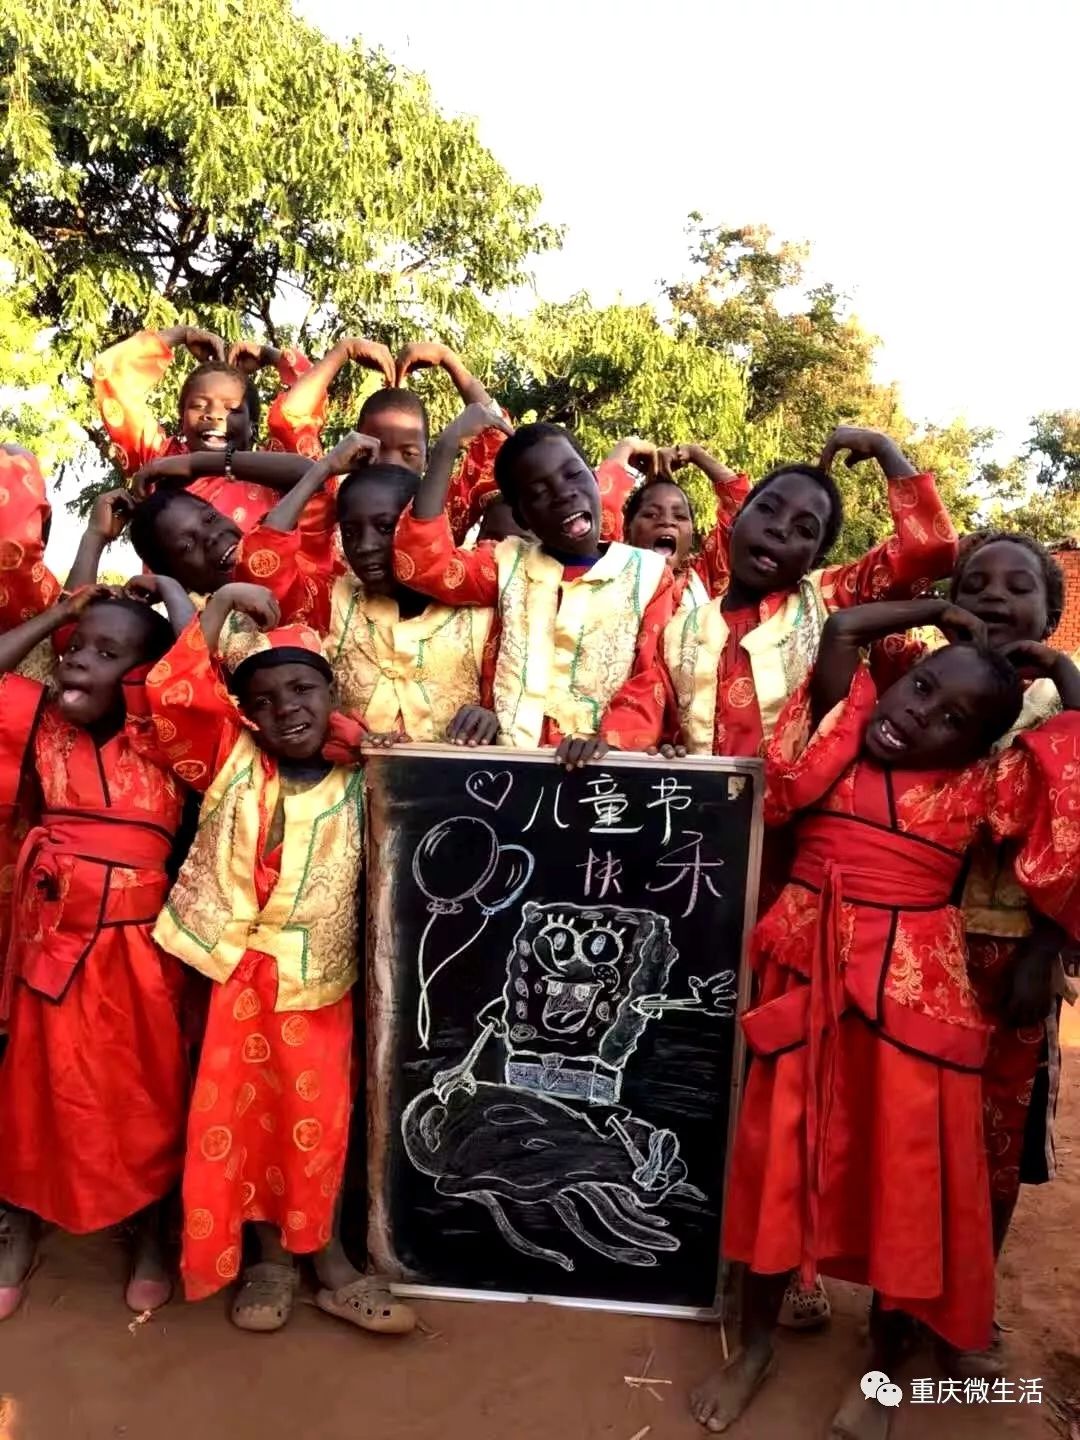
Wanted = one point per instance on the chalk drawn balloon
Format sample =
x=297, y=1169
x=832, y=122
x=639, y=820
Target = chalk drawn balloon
x=460, y=859
x=453, y=860
x=513, y=870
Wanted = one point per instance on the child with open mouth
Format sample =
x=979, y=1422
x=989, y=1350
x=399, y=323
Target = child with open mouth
x=218, y=409
x=859, y=1148
x=265, y=906
x=577, y=665
x=93, y=1088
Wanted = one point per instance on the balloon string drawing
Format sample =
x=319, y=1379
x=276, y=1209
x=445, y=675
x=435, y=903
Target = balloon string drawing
x=460, y=860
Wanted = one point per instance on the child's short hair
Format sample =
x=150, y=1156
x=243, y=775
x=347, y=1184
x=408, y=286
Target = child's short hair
x=158, y=633
x=142, y=531
x=1007, y=696
x=820, y=477
x=1052, y=573
x=522, y=440
x=636, y=498
x=381, y=401
x=404, y=482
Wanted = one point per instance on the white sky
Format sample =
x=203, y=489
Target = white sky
x=927, y=150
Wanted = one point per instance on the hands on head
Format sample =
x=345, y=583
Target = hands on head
x=111, y=512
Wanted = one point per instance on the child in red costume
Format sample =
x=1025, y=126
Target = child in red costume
x=859, y=1145
x=402, y=664
x=657, y=516
x=265, y=907
x=126, y=374
x=577, y=665
x=93, y=1086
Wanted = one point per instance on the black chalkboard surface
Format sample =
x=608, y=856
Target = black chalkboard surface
x=554, y=965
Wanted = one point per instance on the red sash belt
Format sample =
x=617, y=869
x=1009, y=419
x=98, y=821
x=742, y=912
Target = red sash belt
x=63, y=891
x=876, y=866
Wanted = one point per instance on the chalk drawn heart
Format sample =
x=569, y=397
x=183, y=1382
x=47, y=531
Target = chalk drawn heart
x=490, y=787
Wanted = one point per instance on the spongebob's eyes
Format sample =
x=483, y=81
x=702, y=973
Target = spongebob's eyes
x=601, y=947
x=556, y=946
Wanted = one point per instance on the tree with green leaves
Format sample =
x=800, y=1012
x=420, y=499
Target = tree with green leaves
x=1038, y=491
x=614, y=372
x=36, y=399
x=809, y=367
x=224, y=163
x=808, y=362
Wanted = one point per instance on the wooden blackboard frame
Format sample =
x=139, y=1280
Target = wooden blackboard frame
x=380, y=960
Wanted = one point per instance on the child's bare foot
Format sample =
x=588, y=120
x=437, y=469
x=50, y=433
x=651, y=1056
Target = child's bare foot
x=859, y=1418
x=719, y=1401
x=150, y=1285
x=18, y=1247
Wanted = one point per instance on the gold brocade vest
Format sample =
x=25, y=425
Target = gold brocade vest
x=694, y=593
x=417, y=672
x=782, y=651
x=309, y=923
x=566, y=646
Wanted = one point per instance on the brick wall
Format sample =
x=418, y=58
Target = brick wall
x=1067, y=635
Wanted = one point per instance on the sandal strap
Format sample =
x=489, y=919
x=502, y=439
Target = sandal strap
x=268, y=1273
x=367, y=1287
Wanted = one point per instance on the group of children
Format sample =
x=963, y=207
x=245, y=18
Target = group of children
x=178, y=1000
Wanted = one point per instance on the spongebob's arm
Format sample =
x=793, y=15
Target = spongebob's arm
x=460, y=1076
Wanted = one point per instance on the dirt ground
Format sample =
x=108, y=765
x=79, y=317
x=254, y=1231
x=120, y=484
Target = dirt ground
x=71, y=1367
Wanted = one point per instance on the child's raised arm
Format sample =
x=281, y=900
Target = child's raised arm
x=196, y=722
x=296, y=416
x=275, y=470
x=847, y=632
x=924, y=544
x=348, y=454
x=253, y=600
x=108, y=519
x=124, y=376
x=17, y=643
x=167, y=591
x=673, y=457
x=251, y=356
x=424, y=354
x=425, y=556
x=730, y=488
x=1035, y=660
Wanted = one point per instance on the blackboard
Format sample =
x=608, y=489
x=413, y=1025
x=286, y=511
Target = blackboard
x=554, y=963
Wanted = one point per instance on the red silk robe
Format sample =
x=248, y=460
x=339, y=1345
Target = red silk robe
x=27, y=588
x=1016, y=1052
x=859, y=1146
x=93, y=1086
x=426, y=559
x=267, y=1080
x=124, y=377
